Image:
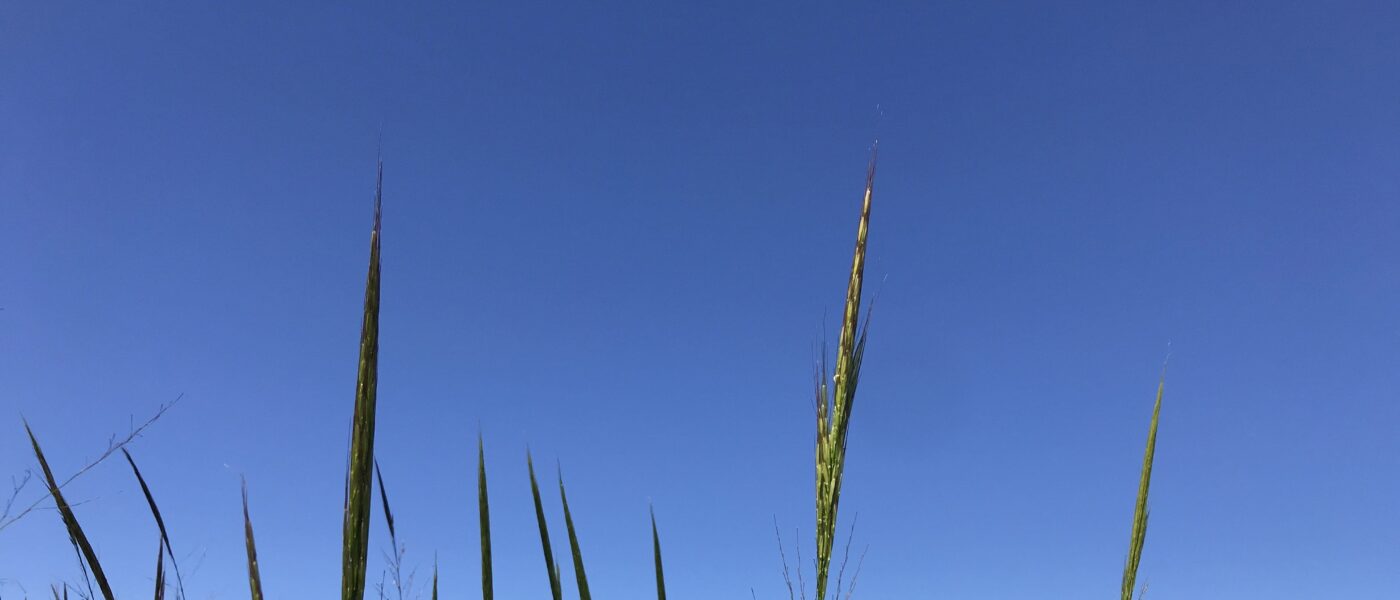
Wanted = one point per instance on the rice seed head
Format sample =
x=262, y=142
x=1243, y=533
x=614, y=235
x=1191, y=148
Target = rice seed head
x=1138, y=537
x=836, y=399
x=359, y=479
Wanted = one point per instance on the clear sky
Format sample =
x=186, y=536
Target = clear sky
x=616, y=232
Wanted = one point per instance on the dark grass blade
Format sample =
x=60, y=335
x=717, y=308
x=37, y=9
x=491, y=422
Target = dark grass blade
x=484, y=509
x=656, y=552
x=1138, y=537
x=573, y=544
x=160, y=569
x=254, y=578
x=384, y=501
x=549, y=564
x=75, y=531
x=435, y=578
x=160, y=523
x=359, y=479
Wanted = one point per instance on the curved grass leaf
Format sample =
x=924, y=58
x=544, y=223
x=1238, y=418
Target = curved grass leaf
x=579, y=574
x=160, y=523
x=160, y=570
x=656, y=552
x=549, y=564
x=1138, y=537
x=75, y=531
x=254, y=578
x=359, y=479
x=484, y=508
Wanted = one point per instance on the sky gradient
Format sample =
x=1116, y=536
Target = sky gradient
x=617, y=232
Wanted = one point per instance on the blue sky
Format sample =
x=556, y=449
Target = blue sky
x=613, y=232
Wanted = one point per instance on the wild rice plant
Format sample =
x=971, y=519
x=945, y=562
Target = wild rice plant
x=359, y=479
x=1138, y=536
x=835, y=400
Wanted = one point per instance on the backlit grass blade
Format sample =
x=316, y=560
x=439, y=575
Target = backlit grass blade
x=254, y=578
x=484, y=509
x=656, y=552
x=160, y=570
x=1139, y=534
x=359, y=480
x=573, y=544
x=435, y=577
x=549, y=564
x=160, y=523
x=75, y=531
x=834, y=403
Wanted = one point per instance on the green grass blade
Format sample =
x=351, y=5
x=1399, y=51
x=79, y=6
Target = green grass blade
x=834, y=403
x=1138, y=537
x=254, y=578
x=656, y=552
x=573, y=544
x=484, y=509
x=75, y=531
x=359, y=479
x=160, y=570
x=549, y=564
x=160, y=523
x=384, y=501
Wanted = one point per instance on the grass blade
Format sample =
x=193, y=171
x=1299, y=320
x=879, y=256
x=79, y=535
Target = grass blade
x=160, y=523
x=484, y=509
x=396, y=556
x=160, y=570
x=834, y=403
x=359, y=479
x=435, y=576
x=254, y=578
x=549, y=564
x=656, y=552
x=573, y=544
x=1138, y=537
x=75, y=531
